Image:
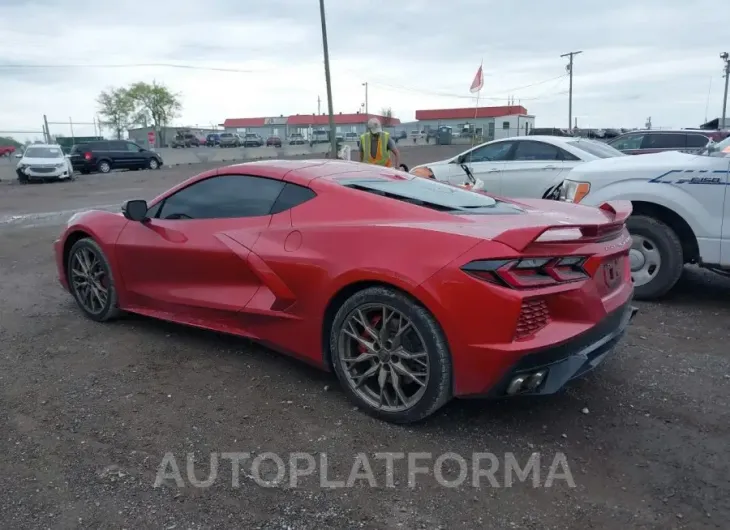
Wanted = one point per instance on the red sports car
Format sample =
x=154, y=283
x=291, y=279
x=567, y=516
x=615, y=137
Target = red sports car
x=411, y=290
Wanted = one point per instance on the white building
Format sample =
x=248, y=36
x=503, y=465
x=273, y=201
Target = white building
x=489, y=123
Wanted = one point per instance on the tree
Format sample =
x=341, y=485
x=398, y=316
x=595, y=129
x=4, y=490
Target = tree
x=155, y=103
x=387, y=114
x=117, y=108
x=7, y=140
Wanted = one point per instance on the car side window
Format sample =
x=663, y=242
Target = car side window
x=132, y=148
x=664, y=141
x=696, y=141
x=117, y=146
x=565, y=155
x=630, y=141
x=292, y=195
x=497, y=152
x=223, y=196
x=528, y=151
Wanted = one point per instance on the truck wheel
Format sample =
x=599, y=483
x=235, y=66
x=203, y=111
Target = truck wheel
x=656, y=257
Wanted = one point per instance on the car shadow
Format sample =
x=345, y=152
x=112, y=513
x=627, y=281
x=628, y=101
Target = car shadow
x=699, y=287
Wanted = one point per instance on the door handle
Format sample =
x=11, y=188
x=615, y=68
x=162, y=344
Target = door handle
x=492, y=170
x=549, y=167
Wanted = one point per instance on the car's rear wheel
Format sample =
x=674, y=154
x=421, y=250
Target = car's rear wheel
x=90, y=280
x=104, y=166
x=153, y=164
x=656, y=257
x=390, y=355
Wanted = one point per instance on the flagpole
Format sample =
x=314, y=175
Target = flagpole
x=476, y=107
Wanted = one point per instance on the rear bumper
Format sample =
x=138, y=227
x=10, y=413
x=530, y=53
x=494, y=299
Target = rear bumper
x=570, y=360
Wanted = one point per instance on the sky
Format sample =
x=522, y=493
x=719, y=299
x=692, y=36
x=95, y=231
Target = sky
x=648, y=58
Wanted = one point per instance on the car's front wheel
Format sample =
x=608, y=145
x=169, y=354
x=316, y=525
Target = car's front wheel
x=656, y=257
x=90, y=280
x=153, y=164
x=390, y=355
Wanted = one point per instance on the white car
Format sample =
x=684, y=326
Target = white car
x=681, y=210
x=523, y=166
x=44, y=162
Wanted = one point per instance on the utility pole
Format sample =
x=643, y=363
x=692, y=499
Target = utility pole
x=48, y=131
x=319, y=106
x=569, y=68
x=726, y=58
x=333, y=139
x=365, y=84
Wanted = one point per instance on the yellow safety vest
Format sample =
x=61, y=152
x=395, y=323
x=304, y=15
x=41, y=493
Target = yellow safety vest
x=382, y=156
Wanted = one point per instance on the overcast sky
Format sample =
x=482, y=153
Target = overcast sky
x=641, y=58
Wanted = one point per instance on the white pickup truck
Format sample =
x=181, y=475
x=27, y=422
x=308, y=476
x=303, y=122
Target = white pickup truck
x=681, y=210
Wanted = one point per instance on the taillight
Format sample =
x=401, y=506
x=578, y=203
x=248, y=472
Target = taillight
x=87, y=156
x=527, y=273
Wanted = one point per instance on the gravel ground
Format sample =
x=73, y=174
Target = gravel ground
x=88, y=412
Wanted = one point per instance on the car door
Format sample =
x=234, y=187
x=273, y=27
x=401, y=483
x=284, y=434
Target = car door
x=485, y=162
x=531, y=169
x=190, y=258
x=135, y=156
x=120, y=156
x=628, y=143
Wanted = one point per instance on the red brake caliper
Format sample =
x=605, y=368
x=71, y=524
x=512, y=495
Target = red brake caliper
x=365, y=335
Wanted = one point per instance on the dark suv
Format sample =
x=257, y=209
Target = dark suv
x=648, y=141
x=105, y=155
x=185, y=140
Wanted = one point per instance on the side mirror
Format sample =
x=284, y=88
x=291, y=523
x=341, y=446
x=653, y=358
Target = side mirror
x=135, y=210
x=18, y=155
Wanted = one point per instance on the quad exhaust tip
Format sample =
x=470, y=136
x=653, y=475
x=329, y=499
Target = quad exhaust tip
x=526, y=382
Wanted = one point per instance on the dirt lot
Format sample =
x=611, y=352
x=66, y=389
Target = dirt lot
x=88, y=411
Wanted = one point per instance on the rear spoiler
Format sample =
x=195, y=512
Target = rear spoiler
x=616, y=212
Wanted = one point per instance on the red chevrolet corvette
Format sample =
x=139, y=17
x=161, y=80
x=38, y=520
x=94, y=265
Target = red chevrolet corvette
x=411, y=290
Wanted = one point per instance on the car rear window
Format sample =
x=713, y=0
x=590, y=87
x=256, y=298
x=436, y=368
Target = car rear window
x=226, y=135
x=431, y=194
x=597, y=149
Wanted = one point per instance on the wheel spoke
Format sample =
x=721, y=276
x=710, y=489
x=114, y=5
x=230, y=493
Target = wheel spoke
x=384, y=357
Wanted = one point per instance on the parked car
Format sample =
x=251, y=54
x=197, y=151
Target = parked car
x=549, y=131
x=43, y=162
x=655, y=141
x=213, y=140
x=523, y=166
x=6, y=150
x=252, y=140
x=297, y=139
x=320, y=136
x=351, y=137
x=185, y=140
x=400, y=326
x=230, y=140
x=681, y=213
x=273, y=141
x=105, y=155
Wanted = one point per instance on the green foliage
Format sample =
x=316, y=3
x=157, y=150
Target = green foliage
x=139, y=104
x=117, y=108
x=7, y=140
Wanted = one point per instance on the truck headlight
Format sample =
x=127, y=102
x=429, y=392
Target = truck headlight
x=574, y=191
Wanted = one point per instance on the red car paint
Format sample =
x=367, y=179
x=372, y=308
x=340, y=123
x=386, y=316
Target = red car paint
x=6, y=150
x=271, y=278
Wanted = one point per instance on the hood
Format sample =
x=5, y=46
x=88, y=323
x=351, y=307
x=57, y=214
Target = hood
x=655, y=161
x=43, y=161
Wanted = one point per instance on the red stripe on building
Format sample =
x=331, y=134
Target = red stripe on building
x=244, y=122
x=469, y=113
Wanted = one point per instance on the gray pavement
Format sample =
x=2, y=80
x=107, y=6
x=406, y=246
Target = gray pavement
x=88, y=411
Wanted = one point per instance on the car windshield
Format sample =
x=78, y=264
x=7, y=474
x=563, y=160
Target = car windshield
x=44, y=152
x=431, y=194
x=719, y=149
x=598, y=149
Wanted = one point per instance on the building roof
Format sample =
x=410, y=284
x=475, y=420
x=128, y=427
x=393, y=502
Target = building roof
x=470, y=113
x=305, y=120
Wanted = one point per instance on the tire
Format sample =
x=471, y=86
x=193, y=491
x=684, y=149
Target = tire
x=153, y=164
x=653, y=235
x=22, y=177
x=107, y=311
x=104, y=166
x=431, y=395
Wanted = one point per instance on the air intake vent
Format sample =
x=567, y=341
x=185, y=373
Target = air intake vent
x=534, y=316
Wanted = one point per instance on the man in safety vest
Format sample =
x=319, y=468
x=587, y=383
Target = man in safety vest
x=376, y=146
